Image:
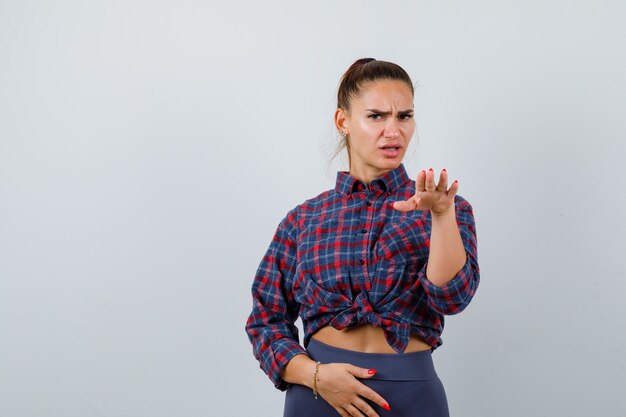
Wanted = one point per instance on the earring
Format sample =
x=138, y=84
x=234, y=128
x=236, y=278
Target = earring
x=343, y=134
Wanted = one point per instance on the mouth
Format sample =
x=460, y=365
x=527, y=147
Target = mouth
x=390, y=146
x=390, y=151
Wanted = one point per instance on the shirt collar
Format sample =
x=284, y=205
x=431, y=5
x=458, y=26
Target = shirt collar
x=389, y=181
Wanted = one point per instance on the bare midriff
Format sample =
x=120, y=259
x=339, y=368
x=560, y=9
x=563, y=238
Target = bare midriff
x=365, y=338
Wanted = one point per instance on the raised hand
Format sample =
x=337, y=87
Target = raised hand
x=428, y=196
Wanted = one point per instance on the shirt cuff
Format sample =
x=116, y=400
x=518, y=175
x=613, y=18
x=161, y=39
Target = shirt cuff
x=281, y=352
x=455, y=295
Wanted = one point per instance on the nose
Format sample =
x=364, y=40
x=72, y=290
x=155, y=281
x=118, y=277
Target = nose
x=391, y=129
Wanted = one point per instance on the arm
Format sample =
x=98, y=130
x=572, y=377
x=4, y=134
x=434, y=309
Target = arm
x=446, y=254
x=274, y=337
x=452, y=243
x=270, y=325
x=451, y=275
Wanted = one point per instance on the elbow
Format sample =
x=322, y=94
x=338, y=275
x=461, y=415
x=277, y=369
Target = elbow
x=453, y=307
x=462, y=299
x=454, y=297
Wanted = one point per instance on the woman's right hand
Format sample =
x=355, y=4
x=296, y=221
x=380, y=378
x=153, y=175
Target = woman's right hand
x=337, y=383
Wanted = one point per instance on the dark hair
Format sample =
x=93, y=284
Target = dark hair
x=361, y=72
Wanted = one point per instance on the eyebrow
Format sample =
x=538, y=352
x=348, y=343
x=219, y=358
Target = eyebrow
x=386, y=113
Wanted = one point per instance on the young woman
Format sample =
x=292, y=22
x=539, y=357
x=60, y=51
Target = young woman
x=371, y=266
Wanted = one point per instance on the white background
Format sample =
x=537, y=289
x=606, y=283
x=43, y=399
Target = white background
x=148, y=150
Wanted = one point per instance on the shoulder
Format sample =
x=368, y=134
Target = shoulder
x=318, y=204
x=319, y=201
x=309, y=208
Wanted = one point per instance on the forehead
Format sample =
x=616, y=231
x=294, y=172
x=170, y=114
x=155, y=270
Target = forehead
x=383, y=94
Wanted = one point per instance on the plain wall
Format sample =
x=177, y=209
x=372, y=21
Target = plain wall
x=148, y=150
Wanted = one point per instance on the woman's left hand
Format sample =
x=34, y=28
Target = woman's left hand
x=428, y=196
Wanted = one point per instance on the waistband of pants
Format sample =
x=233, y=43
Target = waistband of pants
x=411, y=366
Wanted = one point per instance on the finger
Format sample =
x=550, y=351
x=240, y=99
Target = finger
x=366, y=392
x=420, y=184
x=443, y=181
x=361, y=372
x=365, y=408
x=354, y=412
x=454, y=188
x=408, y=205
x=430, y=180
x=342, y=412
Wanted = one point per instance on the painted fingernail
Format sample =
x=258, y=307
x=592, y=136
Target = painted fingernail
x=444, y=170
x=386, y=407
x=456, y=181
x=371, y=371
x=423, y=172
x=430, y=169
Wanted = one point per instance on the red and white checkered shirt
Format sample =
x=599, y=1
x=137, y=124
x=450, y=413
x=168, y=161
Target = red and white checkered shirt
x=346, y=257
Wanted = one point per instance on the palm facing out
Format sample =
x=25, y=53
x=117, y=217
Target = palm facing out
x=430, y=196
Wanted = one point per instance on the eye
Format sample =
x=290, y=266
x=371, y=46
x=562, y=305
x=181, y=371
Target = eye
x=374, y=115
x=406, y=116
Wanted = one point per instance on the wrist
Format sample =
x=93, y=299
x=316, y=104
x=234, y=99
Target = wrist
x=299, y=370
x=444, y=213
x=315, y=379
x=308, y=373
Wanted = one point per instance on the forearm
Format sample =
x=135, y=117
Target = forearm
x=299, y=370
x=447, y=254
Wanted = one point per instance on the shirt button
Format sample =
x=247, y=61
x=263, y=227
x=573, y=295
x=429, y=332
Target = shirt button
x=363, y=230
x=361, y=261
x=368, y=203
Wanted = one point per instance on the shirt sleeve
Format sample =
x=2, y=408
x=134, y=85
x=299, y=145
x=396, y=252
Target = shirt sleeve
x=454, y=296
x=270, y=326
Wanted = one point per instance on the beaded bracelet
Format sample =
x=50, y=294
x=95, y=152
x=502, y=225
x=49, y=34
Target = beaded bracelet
x=315, y=379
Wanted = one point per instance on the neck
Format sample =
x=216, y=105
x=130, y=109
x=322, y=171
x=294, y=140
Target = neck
x=367, y=173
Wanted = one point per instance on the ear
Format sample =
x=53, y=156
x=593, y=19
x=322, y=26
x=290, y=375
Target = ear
x=342, y=119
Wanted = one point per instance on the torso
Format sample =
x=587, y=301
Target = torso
x=365, y=338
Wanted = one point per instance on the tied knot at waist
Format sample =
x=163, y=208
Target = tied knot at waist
x=342, y=312
x=397, y=328
x=362, y=311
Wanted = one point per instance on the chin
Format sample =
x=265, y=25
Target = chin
x=391, y=163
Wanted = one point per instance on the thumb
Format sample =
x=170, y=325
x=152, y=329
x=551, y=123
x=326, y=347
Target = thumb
x=362, y=372
x=407, y=205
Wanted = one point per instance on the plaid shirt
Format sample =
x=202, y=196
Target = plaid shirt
x=345, y=258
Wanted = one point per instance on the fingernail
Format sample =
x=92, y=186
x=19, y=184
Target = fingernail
x=391, y=204
x=423, y=172
x=371, y=371
x=456, y=181
x=386, y=407
x=444, y=170
x=430, y=169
